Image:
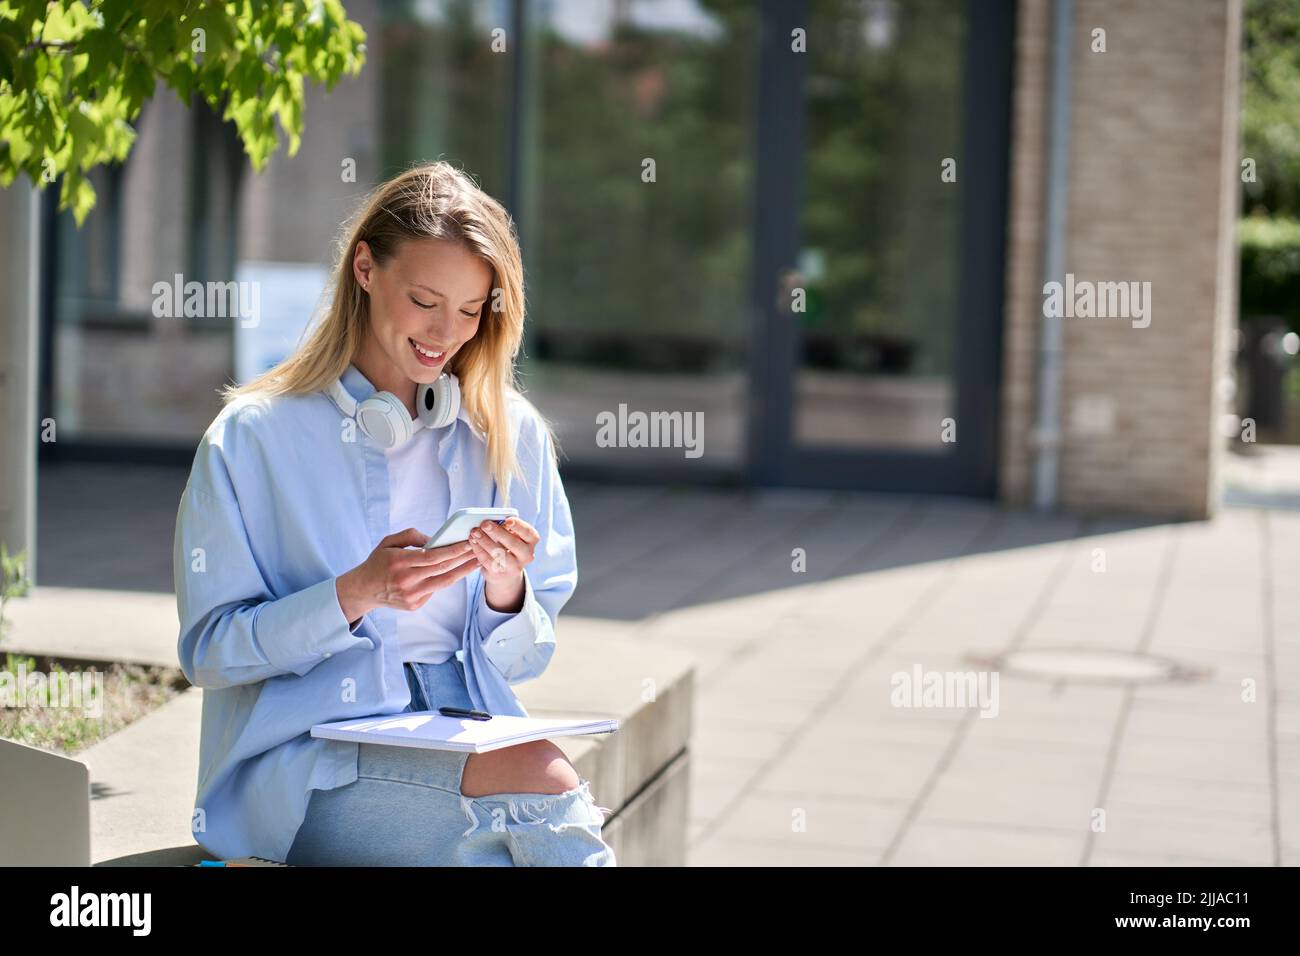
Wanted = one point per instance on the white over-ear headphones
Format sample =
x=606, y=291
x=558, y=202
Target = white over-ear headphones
x=383, y=415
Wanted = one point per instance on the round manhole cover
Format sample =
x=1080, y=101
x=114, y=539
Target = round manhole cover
x=1091, y=665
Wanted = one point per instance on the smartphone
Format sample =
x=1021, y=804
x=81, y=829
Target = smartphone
x=460, y=524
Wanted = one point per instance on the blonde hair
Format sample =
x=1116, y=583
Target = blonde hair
x=428, y=201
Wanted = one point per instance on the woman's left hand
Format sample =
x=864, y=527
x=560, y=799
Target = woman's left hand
x=503, y=550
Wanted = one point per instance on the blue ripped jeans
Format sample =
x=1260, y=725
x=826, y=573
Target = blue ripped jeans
x=405, y=808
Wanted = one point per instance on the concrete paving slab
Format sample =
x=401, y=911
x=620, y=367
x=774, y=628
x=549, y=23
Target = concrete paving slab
x=791, y=691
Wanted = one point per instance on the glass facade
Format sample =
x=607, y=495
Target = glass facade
x=624, y=135
x=121, y=371
x=879, y=248
x=639, y=180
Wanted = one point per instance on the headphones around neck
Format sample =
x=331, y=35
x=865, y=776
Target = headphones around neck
x=383, y=416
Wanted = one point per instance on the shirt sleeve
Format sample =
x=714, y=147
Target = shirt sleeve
x=521, y=645
x=233, y=630
x=490, y=618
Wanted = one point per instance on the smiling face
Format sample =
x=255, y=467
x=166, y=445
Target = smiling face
x=426, y=301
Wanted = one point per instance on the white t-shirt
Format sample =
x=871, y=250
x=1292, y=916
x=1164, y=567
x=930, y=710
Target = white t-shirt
x=419, y=497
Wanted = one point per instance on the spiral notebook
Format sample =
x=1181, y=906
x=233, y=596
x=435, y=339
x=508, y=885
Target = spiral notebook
x=434, y=731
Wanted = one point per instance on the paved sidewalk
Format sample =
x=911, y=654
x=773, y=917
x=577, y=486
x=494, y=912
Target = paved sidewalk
x=801, y=759
x=799, y=756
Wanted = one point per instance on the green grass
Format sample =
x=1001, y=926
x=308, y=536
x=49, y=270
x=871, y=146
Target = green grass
x=129, y=691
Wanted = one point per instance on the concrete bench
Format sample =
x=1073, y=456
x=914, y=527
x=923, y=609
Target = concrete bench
x=143, y=778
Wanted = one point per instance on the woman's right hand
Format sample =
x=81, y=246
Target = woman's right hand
x=400, y=574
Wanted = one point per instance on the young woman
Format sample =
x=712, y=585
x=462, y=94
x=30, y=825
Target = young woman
x=303, y=590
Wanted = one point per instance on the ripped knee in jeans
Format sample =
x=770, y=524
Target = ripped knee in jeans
x=573, y=808
x=538, y=766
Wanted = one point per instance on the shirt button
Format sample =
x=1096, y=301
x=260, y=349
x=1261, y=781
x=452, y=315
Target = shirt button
x=501, y=642
x=329, y=653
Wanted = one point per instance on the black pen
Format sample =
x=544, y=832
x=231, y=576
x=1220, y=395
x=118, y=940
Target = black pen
x=462, y=712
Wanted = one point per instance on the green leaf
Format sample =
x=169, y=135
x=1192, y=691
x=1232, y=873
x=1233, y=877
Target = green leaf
x=8, y=57
x=76, y=194
x=84, y=135
x=69, y=107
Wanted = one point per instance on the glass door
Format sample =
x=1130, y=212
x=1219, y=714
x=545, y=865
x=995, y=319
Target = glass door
x=880, y=215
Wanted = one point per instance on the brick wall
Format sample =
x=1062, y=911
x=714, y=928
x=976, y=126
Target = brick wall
x=1153, y=186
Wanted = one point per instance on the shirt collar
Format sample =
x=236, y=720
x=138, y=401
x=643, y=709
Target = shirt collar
x=361, y=388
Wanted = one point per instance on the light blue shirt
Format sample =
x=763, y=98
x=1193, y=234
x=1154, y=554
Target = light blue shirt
x=284, y=495
x=417, y=498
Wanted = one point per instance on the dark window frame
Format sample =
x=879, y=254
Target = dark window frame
x=970, y=466
x=770, y=459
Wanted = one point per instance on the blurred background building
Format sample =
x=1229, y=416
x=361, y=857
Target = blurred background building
x=915, y=172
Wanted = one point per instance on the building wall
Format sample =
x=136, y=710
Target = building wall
x=339, y=124
x=19, y=262
x=1152, y=197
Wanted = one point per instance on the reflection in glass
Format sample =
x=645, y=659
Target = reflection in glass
x=639, y=180
x=879, y=257
x=122, y=372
